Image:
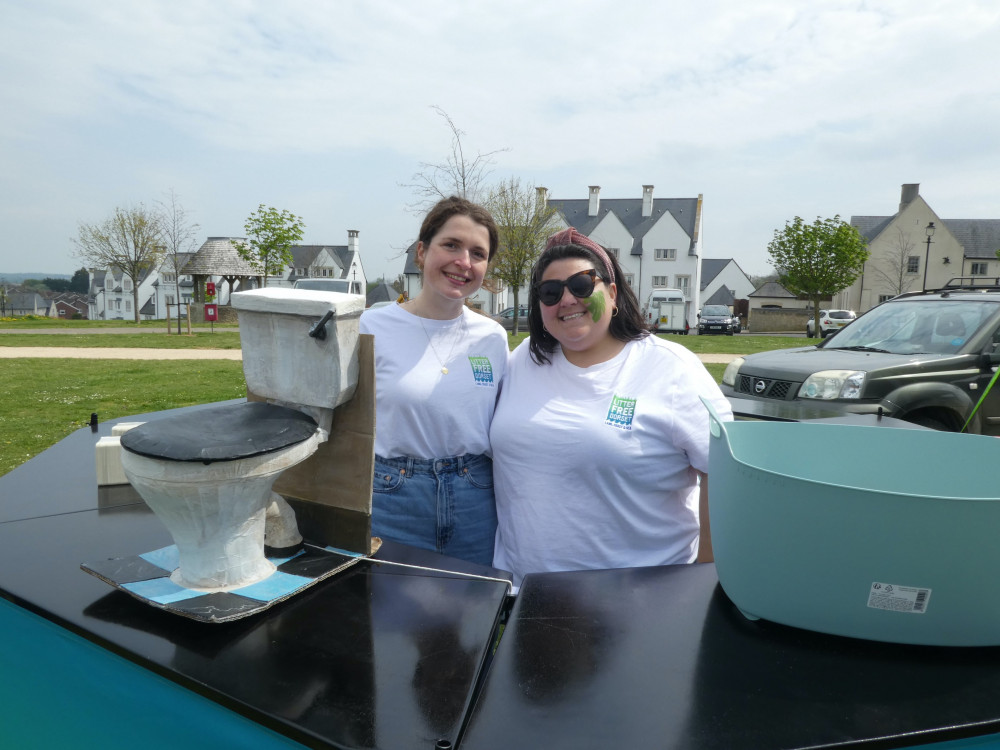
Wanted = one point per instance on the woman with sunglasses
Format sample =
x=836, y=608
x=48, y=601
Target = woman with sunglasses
x=600, y=440
x=438, y=366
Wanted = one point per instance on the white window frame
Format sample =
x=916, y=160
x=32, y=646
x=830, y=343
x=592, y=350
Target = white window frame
x=913, y=264
x=979, y=269
x=613, y=251
x=630, y=280
x=660, y=282
x=665, y=253
x=684, y=284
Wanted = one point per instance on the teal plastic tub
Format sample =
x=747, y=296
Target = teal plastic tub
x=870, y=532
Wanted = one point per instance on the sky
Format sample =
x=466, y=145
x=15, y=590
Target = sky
x=770, y=110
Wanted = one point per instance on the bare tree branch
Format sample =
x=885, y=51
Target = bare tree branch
x=457, y=175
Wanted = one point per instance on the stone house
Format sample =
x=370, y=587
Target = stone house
x=903, y=260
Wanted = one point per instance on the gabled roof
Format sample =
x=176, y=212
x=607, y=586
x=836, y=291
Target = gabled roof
x=710, y=268
x=218, y=257
x=980, y=238
x=871, y=227
x=304, y=256
x=410, y=267
x=723, y=296
x=629, y=212
x=772, y=289
x=383, y=292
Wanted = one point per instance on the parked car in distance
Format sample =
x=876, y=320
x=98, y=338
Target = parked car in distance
x=925, y=357
x=830, y=321
x=717, y=319
x=324, y=285
x=506, y=318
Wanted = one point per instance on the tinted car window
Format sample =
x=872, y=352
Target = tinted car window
x=841, y=314
x=715, y=310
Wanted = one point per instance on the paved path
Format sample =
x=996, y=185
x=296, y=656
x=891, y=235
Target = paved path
x=57, y=352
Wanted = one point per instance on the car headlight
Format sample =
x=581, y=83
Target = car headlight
x=732, y=371
x=831, y=384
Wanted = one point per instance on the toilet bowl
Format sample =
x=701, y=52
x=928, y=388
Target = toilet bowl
x=208, y=475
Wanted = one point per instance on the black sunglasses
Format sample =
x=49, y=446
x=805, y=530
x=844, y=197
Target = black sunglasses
x=580, y=284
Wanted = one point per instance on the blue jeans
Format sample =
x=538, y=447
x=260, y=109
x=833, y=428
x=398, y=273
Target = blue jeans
x=445, y=505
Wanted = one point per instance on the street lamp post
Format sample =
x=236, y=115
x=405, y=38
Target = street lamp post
x=927, y=255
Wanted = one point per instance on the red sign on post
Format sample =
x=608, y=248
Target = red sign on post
x=211, y=312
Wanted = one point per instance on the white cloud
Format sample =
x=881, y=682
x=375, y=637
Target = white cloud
x=763, y=107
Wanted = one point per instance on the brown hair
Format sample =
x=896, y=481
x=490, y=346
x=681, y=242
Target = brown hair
x=445, y=208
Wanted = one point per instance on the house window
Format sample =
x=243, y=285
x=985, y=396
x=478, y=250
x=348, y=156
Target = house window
x=630, y=280
x=884, y=298
x=127, y=285
x=684, y=284
x=62, y=312
x=613, y=251
x=665, y=253
x=979, y=269
x=660, y=281
x=300, y=272
x=128, y=306
x=913, y=264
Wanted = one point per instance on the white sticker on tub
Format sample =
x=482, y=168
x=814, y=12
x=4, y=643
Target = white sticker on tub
x=899, y=598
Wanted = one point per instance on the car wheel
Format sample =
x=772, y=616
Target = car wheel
x=928, y=422
x=809, y=334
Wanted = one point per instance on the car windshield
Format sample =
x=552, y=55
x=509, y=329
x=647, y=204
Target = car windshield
x=715, y=310
x=915, y=327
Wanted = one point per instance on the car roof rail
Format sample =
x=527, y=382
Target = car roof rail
x=960, y=284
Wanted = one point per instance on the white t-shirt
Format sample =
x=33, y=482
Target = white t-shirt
x=595, y=467
x=419, y=410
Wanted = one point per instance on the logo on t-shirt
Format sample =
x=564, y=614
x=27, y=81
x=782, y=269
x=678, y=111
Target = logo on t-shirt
x=621, y=412
x=482, y=371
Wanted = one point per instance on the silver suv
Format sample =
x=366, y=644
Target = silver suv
x=929, y=358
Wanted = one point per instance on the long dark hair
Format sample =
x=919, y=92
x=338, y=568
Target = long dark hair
x=626, y=325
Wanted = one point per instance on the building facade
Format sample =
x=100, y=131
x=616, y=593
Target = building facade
x=915, y=248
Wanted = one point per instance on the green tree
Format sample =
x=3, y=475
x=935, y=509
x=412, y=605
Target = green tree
x=817, y=260
x=80, y=282
x=129, y=240
x=55, y=285
x=525, y=221
x=270, y=236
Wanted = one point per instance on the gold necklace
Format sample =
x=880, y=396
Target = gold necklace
x=454, y=343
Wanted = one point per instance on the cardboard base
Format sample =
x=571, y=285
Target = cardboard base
x=147, y=578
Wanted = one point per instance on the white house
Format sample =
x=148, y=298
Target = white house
x=217, y=261
x=723, y=282
x=657, y=241
x=902, y=259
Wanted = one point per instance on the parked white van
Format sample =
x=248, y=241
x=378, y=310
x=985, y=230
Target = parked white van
x=665, y=311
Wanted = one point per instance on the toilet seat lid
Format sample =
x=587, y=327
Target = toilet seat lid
x=221, y=433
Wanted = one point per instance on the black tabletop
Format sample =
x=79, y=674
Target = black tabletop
x=378, y=656
x=659, y=658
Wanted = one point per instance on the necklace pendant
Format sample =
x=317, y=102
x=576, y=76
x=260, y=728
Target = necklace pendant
x=444, y=370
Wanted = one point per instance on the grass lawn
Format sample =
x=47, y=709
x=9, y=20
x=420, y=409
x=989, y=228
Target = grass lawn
x=43, y=400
